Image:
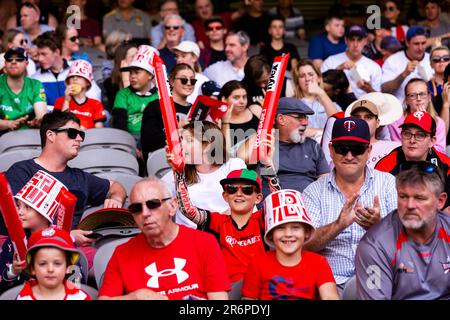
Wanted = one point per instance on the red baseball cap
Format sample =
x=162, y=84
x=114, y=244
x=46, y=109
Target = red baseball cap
x=421, y=119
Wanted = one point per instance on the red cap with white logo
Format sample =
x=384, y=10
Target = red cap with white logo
x=421, y=119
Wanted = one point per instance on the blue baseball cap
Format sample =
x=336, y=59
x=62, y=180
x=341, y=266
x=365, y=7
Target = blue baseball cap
x=350, y=129
x=416, y=31
x=292, y=105
x=357, y=31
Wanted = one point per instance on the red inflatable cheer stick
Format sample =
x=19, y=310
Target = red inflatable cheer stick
x=168, y=113
x=66, y=209
x=270, y=105
x=11, y=217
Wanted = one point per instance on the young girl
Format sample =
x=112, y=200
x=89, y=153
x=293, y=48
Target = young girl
x=241, y=120
x=288, y=272
x=90, y=111
x=33, y=219
x=50, y=253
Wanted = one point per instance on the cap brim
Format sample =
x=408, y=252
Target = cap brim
x=350, y=138
x=109, y=217
x=414, y=124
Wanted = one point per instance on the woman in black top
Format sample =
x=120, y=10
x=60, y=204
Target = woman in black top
x=182, y=82
x=241, y=120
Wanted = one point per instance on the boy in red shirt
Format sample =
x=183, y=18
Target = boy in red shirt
x=90, y=111
x=288, y=272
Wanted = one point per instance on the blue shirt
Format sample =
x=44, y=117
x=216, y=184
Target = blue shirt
x=321, y=48
x=324, y=202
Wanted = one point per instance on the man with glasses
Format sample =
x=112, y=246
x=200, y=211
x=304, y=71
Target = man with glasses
x=166, y=260
x=173, y=33
x=418, y=137
x=215, y=31
x=236, y=47
x=349, y=200
x=406, y=256
x=169, y=7
x=413, y=62
x=23, y=101
x=300, y=160
x=128, y=19
x=60, y=139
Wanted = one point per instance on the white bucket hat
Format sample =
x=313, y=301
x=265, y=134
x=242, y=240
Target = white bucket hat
x=143, y=59
x=42, y=193
x=284, y=206
x=81, y=68
x=386, y=106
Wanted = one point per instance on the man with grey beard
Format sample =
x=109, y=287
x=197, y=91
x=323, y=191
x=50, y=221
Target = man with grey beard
x=300, y=160
x=407, y=254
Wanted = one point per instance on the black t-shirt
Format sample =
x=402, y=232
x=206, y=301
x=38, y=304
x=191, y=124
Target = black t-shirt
x=256, y=28
x=217, y=56
x=270, y=53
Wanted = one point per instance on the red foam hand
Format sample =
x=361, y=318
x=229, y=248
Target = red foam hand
x=66, y=210
x=168, y=113
x=270, y=105
x=11, y=218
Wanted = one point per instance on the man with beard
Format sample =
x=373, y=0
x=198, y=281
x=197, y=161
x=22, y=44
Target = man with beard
x=406, y=256
x=301, y=159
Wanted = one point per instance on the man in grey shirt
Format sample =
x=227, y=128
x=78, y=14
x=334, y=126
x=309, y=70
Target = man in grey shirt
x=301, y=159
x=407, y=255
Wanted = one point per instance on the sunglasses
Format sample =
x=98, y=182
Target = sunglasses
x=245, y=189
x=152, y=204
x=71, y=132
x=15, y=59
x=389, y=8
x=184, y=81
x=74, y=38
x=214, y=28
x=356, y=150
x=172, y=27
x=438, y=59
x=23, y=42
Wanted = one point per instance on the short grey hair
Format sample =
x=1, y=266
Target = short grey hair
x=155, y=180
x=413, y=177
x=242, y=35
x=174, y=16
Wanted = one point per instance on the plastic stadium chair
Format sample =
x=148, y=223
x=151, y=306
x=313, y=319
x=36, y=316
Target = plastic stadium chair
x=157, y=164
x=106, y=160
x=109, y=138
x=349, y=292
x=102, y=257
x=127, y=180
x=20, y=139
x=7, y=159
x=12, y=293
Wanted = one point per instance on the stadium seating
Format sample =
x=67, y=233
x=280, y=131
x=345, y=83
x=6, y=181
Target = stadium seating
x=127, y=180
x=97, y=161
x=157, y=164
x=20, y=140
x=7, y=159
x=109, y=138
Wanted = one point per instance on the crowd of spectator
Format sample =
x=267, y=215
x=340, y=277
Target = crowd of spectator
x=357, y=169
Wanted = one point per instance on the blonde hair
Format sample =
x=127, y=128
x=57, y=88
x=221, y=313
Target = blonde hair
x=430, y=107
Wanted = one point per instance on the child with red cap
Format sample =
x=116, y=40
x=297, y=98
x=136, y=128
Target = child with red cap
x=288, y=272
x=90, y=111
x=50, y=253
x=38, y=202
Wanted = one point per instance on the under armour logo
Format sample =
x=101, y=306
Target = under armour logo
x=179, y=264
x=418, y=115
x=349, y=125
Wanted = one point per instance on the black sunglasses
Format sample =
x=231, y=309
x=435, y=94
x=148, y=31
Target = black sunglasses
x=74, y=38
x=71, y=132
x=445, y=58
x=184, y=81
x=172, y=27
x=246, y=189
x=389, y=8
x=135, y=208
x=23, y=42
x=356, y=149
x=17, y=59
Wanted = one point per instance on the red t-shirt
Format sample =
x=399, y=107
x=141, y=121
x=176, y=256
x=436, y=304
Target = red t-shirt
x=238, y=246
x=72, y=292
x=267, y=279
x=88, y=112
x=190, y=265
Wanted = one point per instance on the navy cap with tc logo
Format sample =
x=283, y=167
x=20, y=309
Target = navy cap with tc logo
x=350, y=129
